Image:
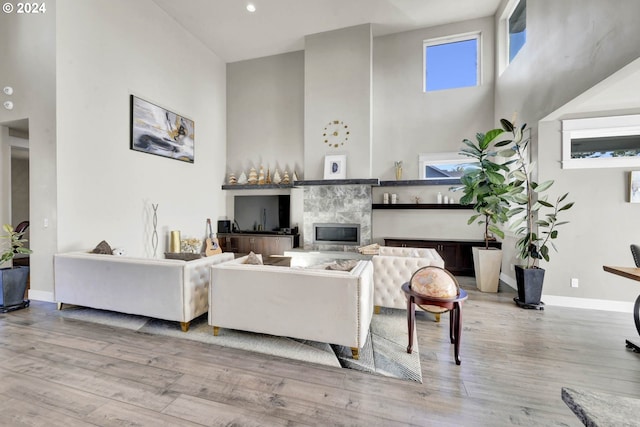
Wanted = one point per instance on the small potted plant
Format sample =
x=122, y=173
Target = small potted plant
x=13, y=280
x=485, y=186
x=535, y=229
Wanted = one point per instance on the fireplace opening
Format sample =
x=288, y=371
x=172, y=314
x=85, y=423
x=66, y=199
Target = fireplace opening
x=336, y=234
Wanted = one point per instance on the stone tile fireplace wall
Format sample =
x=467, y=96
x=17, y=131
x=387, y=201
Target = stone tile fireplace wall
x=341, y=204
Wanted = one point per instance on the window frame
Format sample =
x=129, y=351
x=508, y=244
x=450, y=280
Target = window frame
x=446, y=158
x=503, y=36
x=513, y=10
x=598, y=127
x=436, y=41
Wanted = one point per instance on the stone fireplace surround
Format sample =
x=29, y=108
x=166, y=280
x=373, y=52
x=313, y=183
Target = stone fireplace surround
x=336, y=204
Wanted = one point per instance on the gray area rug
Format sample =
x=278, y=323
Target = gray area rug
x=384, y=352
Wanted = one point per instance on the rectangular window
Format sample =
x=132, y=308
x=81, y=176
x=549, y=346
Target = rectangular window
x=601, y=142
x=452, y=62
x=444, y=168
x=517, y=29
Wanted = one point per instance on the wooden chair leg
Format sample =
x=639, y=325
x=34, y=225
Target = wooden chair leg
x=437, y=315
x=216, y=331
x=184, y=326
x=376, y=309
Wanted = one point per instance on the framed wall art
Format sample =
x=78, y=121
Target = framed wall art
x=156, y=130
x=634, y=187
x=335, y=167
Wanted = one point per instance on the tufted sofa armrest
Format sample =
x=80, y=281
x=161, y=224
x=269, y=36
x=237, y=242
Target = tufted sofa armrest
x=390, y=272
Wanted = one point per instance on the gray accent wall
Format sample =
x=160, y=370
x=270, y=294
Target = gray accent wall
x=337, y=73
x=265, y=115
x=572, y=47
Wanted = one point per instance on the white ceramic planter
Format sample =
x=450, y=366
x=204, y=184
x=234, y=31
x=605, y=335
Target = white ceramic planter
x=487, y=264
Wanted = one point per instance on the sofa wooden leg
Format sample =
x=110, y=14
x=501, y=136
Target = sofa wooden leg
x=376, y=309
x=185, y=326
x=216, y=331
x=437, y=316
x=59, y=306
x=355, y=352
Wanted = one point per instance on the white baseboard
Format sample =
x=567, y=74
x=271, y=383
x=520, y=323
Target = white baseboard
x=508, y=281
x=573, y=302
x=41, y=296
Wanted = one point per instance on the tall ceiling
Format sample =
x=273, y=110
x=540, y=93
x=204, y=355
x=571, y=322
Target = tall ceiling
x=279, y=26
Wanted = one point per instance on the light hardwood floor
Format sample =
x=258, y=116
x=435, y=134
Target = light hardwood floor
x=61, y=372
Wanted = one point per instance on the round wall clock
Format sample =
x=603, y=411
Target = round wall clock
x=336, y=133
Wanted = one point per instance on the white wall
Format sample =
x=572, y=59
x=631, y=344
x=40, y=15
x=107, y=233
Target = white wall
x=108, y=50
x=28, y=46
x=571, y=46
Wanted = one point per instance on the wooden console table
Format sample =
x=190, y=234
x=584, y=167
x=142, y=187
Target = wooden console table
x=632, y=273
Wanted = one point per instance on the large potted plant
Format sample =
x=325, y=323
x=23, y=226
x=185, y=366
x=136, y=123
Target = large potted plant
x=485, y=186
x=537, y=225
x=13, y=280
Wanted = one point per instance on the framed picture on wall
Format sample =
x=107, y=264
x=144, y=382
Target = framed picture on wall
x=156, y=130
x=634, y=187
x=335, y=167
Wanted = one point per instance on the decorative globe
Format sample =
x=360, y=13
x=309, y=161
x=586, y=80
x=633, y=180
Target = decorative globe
x=434, y=282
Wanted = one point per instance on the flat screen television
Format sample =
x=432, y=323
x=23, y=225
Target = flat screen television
x=269, y=213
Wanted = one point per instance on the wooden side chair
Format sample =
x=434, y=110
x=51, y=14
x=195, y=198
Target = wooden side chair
x=434, y=286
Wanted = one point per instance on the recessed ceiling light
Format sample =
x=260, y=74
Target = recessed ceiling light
x=251, y=7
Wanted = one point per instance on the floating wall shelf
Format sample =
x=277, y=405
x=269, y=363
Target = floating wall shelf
x=413, y=182
x=421, y=206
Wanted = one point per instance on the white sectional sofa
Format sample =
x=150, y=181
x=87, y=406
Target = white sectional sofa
x=305, y=303
x=394, y=266
x=161, y=288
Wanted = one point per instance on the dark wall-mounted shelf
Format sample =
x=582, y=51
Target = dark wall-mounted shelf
x=365, y=181
x=412, y=182
x=421, y=206
x=254, y=186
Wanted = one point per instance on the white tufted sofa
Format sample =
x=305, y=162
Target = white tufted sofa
x=394, y=266
x=166, y=289
x=306, y=303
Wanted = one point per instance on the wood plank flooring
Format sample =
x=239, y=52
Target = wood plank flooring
x=62, y=372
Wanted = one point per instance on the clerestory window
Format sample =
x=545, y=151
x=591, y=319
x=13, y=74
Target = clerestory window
x=451, y=62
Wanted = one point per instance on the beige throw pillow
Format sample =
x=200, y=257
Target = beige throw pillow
x=253, y=259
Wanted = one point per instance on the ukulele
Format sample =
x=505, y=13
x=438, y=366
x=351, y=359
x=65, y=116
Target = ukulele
x=212, y=246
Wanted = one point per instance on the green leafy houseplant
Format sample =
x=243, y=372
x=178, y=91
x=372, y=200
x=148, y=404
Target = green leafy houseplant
x=485, y=183
x=535, y=229
x=13, y=281
x=15, y=244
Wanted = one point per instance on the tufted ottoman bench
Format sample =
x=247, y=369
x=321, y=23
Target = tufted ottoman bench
x=166, y=289
x=394, y=266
